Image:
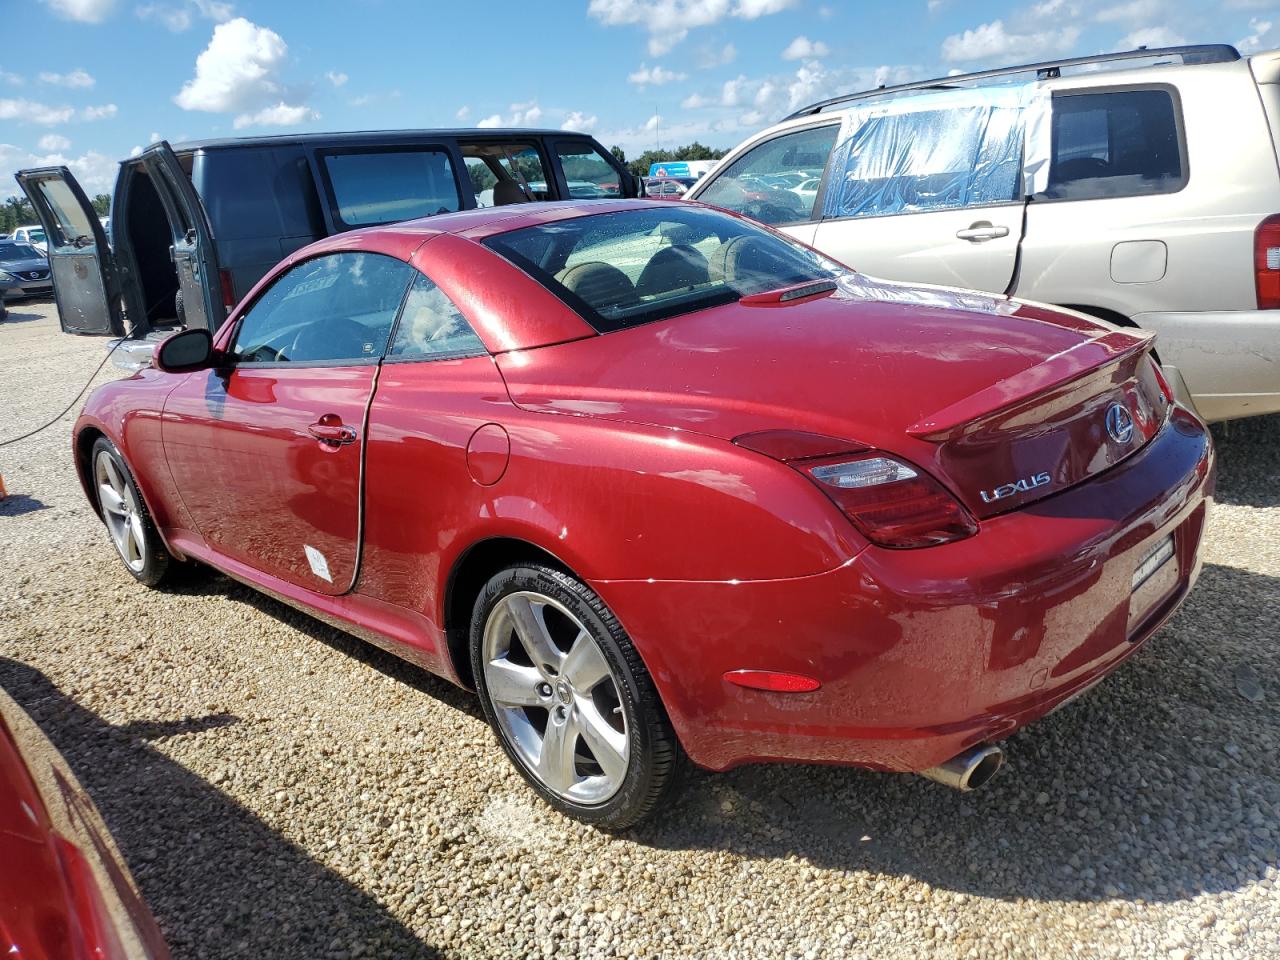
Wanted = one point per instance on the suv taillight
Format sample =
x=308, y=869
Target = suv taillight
x=1266, y=263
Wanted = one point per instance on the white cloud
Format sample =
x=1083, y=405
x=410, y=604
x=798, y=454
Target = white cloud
x=653, y=123
x=522, y=115
x=580, y=122
x=463, y=112
x=180, y=17
x=336, y=78
x=154, y=138
x=75, y=78
x=991, y=41
x=1258, y=30
x=14, y=78
x=86, y=11
x=1131, y=11
x=668, y=22
x=104, y=112
x=30, y=111
x=654, y=76
x=281, y=115
x=95, y=171
x=802, y=48
x=1153, y=37
x=54, y=143
x=711, y=57
x=237, y=70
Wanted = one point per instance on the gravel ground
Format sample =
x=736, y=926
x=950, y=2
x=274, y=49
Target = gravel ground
x=282, y=790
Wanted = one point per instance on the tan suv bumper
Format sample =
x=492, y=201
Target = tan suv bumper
x=1229, y=361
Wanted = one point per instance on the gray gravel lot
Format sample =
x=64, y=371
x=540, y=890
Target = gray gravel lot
x=282, y=790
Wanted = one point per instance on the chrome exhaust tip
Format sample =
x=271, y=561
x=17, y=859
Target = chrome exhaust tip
x=969, y=770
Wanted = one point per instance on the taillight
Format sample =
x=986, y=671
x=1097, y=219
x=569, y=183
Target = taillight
x=891, y=502
x=228, y=289
x=1266, y=263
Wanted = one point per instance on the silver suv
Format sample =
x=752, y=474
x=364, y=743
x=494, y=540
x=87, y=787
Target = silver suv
x=1138, y=187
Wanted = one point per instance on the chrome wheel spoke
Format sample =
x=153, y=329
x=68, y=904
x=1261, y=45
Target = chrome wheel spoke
x=607, y=745
x=113, y=476
x=136, y=535
x=513, y=685
x=111, y=501
x=585, y=665
x=555, y=761
x=531, y=629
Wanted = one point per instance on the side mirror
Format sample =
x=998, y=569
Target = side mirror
x=184, y=351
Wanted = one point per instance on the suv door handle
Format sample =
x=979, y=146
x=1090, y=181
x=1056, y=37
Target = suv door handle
x=981, y=232
x=331, y=430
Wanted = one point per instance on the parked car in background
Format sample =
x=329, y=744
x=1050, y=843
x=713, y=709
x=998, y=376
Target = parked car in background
x=25, y=269
x=1141, y=188
x=195, y=226
x=668, y=188
x=65, y=891
x=32, y=237
x=693, y=487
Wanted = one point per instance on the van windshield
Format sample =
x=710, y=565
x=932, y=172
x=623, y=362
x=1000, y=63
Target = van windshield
x=629, y=267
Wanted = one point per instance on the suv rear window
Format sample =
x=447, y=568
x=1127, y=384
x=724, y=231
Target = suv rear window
x=385, y=186
x=1122, y=143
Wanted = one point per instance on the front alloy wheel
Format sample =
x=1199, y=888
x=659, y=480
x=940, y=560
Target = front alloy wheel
x=569, y=698
x=125, y=513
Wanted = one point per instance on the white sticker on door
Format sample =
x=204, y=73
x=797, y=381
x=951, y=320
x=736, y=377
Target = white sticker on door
x=319, y=565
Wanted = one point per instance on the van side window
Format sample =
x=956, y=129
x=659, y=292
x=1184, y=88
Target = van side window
x=589, y=175
x=431, y=326
x=503, y=173
x=765, y=183
x=1123, y=143
x=338, y=307
x=385, y=186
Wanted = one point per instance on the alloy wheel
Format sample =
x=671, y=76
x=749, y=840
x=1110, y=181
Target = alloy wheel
x=121, y=511
x=555, y=697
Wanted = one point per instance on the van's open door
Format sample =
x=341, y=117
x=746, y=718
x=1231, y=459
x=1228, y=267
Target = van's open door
x=85, y=281
x=194, y=255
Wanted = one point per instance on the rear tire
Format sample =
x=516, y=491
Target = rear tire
x=128, y=522
x=570, y=699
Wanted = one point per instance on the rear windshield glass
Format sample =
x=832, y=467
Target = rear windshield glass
x=634, y=266
x=19, y=251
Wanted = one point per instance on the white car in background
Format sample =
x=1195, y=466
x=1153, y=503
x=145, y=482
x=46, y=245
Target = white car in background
x=32, y=237
x=1139, y=187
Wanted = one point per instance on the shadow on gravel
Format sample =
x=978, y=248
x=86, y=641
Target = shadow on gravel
x=16, y=504
x=1249, y=461
x=1162, y=783
x=220, y=881
x=206, y=582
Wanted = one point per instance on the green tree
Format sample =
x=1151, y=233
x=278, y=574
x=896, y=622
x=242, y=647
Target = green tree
x=102, y=204
x=693, y=151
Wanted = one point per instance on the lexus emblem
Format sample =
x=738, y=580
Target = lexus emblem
x=1119, y=423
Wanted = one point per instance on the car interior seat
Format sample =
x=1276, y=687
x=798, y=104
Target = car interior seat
x=598, y=283
x=508, y=191
x=672, y=268
x=742, y=259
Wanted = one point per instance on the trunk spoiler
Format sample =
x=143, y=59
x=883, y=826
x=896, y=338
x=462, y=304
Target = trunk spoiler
x=1059, y=370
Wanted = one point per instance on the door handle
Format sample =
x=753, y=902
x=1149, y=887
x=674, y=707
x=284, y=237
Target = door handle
x=981, y=232
x=331, y=430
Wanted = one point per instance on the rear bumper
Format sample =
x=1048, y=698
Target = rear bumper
x=922, y=653
x=1229, y=360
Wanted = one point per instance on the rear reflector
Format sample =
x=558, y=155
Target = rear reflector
x=772, y=680
x=1266, y=263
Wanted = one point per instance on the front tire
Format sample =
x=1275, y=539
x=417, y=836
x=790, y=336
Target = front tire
x=570, y=699
x=134, y=535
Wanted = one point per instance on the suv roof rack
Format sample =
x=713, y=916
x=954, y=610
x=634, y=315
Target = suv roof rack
x=1048, y=70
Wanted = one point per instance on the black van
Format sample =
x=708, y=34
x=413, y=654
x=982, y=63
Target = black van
x=194, y=226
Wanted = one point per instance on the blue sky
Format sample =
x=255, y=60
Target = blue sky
x=87, y=82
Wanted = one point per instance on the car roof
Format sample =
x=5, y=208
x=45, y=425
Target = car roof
x=485, y=222
x=358, y=137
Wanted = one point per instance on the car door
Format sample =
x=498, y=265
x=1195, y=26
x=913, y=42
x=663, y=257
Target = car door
x=193, y=251
x=267, y=451
x=749, y=184
x=928, y=190
x=86, y=284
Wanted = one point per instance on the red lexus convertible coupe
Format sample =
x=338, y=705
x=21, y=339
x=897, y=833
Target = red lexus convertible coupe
x=659, y=482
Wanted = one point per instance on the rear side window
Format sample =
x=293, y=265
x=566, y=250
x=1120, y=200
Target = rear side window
x=385, y=186
x=432, y=327
x=763, y=182
x=334, y=308
x=588, y=174
x=1122, y=143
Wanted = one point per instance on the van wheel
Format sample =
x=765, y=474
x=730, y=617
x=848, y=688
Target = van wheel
x=179, y=310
